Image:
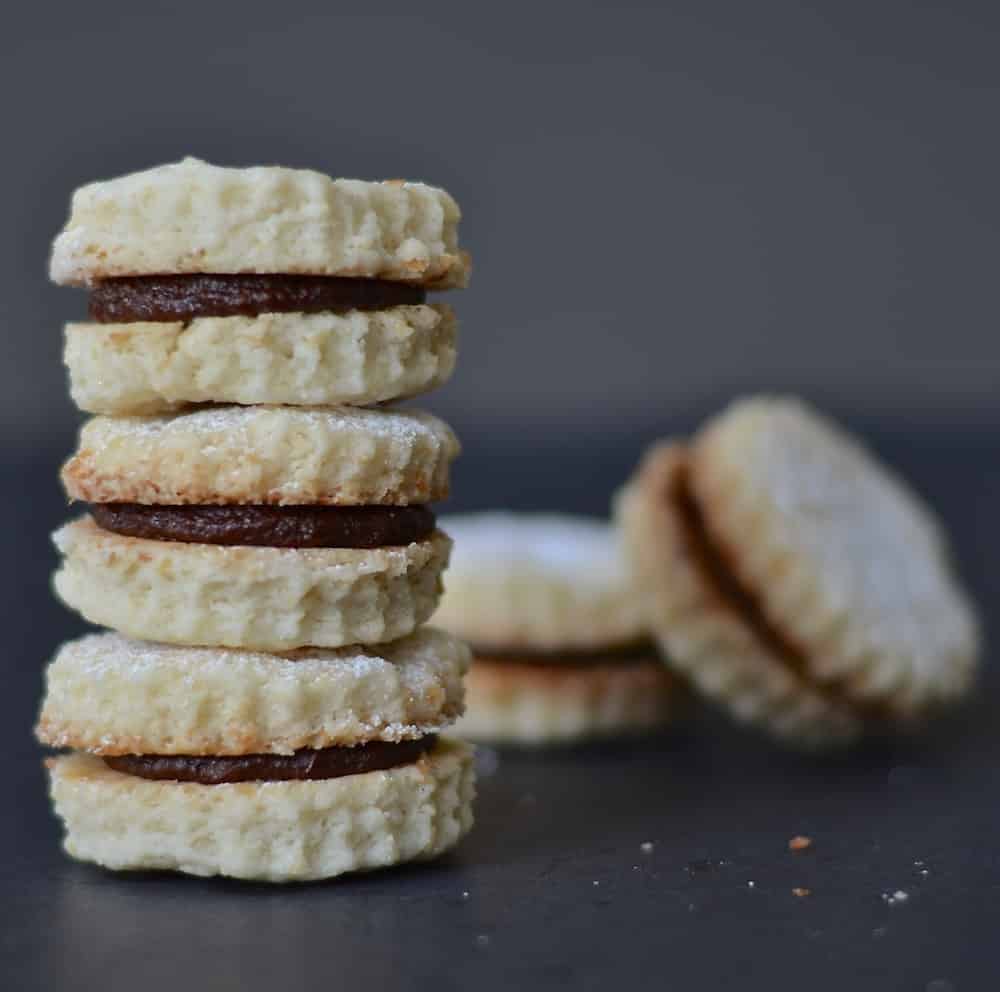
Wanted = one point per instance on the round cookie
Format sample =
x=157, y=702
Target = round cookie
x=191, y=216
x=792, y=576
x=324, y=359
x=267, y=831
x=707, y=637
x=269, y=599
x=110, y=695
x=518, y=703
x=540, y=582
x=264, y=455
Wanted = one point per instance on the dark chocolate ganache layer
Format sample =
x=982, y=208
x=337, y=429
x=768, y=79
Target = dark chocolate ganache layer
x=184, y=297
x=270, y=526
x=328, y=762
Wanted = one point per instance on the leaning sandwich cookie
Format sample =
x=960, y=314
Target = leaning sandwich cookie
x=795, y=579
x=270, y=706
x=560, y=650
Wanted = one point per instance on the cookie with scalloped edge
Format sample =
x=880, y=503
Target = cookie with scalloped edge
x=267, y=831
x=268, y=599
x=840, y=553
x=527, y=702
x=537, y=582
x=356, y=358
x=194, y=217
x=756, y=557
x=278, y=455
x=111, y=695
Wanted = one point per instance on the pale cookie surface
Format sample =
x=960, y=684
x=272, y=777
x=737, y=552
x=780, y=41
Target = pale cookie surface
x=516, y=703
x=269, y=599
x=265, y=455
x=191, y=216
x=842, y=556
x=270, y=831
x=111, y=695
x=537, y=581
x=703, y=634
x=324, y=359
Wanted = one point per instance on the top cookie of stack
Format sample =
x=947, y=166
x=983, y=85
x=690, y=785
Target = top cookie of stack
x=186, y=305
x=296, y=294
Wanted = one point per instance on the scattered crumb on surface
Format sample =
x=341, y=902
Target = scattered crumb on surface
x=801, y=893
x=751, y=884
x=596, y=882
x=894, y=898
x=465, y=894
x=800, y=843
x=646, y=847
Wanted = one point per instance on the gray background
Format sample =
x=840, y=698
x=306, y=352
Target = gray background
x=665, y=205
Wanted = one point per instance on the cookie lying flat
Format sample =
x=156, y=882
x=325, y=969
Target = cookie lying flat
x=264, y=455
x=542, y=582
x=274, y=831
x=556, y=632
x=191, y=216
x=270, y=599
x=794, y=578
x=325, y=359
x=533, y=702
x=110, y=695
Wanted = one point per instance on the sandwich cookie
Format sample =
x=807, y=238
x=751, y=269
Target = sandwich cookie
x=794, y=578
x=269, y=528
x=257, y=286
x=559, y=644
x=277, y=768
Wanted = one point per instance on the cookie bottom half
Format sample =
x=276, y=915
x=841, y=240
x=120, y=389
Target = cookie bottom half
x=512, y=702
x=266, y=831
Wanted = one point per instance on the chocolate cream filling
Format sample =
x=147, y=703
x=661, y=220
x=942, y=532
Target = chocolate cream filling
x=270, y=526
x=328, y=762
x=713, y=563
x=185, y=297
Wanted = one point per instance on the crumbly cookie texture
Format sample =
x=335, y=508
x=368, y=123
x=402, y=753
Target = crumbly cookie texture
x=268, y=599
x=110, y=695
x=325, y=359
x=191, y=216
x=843, y=556
x=538, y=581
x=533, y=704
x=704, y=635
x=266, y=454
x=266, y=831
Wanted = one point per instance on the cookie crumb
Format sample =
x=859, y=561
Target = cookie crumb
x=894, y=898
x=751, y=884
x=801, y=893
x=646, y=847
x=800, y=843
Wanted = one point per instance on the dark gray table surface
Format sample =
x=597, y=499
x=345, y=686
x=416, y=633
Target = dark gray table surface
x=553, y=888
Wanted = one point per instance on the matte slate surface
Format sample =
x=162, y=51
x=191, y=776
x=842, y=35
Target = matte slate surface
x=553, y=888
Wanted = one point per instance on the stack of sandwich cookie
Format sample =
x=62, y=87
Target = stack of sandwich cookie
x=560, y=649
x=273, y=709
x=794, y=578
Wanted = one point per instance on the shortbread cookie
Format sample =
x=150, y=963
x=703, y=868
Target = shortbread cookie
x=540, y=582
x=514, y=702
x=268, y=454
x=110, y=695
x=191, y=216
x=844, y=558
x=269, y=831
x=792, y=576
x=269, y=599
x=710, y=636
x=324, y=359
